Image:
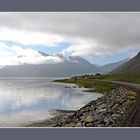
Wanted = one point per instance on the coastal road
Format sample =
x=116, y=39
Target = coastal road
x=135, y=122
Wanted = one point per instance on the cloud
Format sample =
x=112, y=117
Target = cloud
x=84, y=48
x=90, y=34
x=29, y=37
x=14, y=55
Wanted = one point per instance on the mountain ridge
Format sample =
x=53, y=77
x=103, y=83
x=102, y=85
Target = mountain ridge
x=130, y=67
x=73, y=65
x=111, y=66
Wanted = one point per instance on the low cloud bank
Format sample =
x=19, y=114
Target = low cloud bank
x=15, y=55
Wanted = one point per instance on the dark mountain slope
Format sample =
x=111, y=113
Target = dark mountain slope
x=109, y=67
x=130, y=67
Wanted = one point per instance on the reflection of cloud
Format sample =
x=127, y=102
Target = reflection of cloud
x=21, y=100
x=35, y=97
x=77, y=102
x=68, y=98
x=22, y=97
x=14, y=55
x=23, y=118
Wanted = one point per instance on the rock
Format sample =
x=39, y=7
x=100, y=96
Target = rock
x=129, y=104
x=79, y=124
x=106, y=120
x=100, y=125
x=132, y=98
x=70, y=125
x=103, y=106
x=115, y=107
x=89, y=125
x=110, y=110
x=67, y=87
x=88, y=118
x=103, y=110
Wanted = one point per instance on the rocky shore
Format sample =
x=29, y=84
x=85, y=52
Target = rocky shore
x=114, y=109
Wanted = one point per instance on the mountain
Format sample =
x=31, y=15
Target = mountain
x=110, y=67
x=69, y=67
x=130, y=67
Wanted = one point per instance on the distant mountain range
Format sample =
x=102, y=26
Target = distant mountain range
x=130, y=67
x=69, y=67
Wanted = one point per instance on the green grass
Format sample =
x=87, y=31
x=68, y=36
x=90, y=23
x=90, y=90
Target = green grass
x=121, y=77
x=95, y=81
x=91, y=83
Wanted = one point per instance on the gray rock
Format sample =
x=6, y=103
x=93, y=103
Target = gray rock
x=110, y=110
x=79, y=124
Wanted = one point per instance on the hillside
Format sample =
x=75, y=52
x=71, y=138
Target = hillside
x=110, y=67
x=130, y=67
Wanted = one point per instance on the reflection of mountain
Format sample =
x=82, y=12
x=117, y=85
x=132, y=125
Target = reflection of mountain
x=130, y=67
x=69, y=67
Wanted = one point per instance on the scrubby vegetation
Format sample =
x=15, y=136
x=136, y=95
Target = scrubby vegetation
x=91, y=83
x=98, y=81
x=116, y=77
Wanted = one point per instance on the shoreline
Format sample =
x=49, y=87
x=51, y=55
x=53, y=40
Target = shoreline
x=114, y=109
x=90, y=90
x=60, y=114
x=117, y=108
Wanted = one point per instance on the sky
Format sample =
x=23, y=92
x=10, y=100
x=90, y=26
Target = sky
x=99, y=37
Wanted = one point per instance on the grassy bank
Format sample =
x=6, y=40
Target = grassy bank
x=95, y=81
x=116, y=77
x=90, y=83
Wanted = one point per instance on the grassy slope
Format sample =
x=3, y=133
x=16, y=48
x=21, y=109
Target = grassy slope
x=89, y=83
x=92, y=81
x=122, y=77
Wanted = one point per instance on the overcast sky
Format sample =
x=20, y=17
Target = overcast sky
x=99, y=37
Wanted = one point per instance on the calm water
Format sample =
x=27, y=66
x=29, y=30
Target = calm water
x=26, y=100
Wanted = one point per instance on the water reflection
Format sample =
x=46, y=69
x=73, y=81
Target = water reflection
x=23, y=100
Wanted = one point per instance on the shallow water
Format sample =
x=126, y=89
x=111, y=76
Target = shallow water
x=26, y=100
